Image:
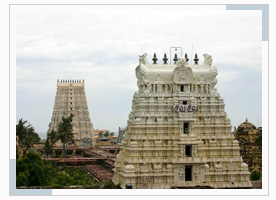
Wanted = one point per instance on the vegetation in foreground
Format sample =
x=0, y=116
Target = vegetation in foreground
x=31, y=170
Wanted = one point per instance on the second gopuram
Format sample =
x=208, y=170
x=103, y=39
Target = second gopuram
x=178, y=133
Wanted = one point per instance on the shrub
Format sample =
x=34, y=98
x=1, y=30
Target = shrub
x=255, y=175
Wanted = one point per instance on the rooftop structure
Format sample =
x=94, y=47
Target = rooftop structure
x=178, y=134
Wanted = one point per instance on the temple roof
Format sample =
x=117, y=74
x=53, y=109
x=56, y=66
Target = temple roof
x=245, y=127
x=181, y=71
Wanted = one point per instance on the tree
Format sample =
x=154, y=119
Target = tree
x=26, y=134
x=258, y=140
x=64, y=132
x=106, y=134
x=112, y=133
x=52, y=138
x=100, y=134
x=21, y=129
x=30, y=170
x=255, y=175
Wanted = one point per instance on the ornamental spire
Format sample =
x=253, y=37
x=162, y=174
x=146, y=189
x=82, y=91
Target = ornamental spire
x=175, y=58
x=165, y=59
x=196, y=59
x=154, y=58
x=186, y=57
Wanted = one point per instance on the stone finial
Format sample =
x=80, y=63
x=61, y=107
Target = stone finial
x=196, y=59
x=246, y=119
x=186, y=57
x=165, y=59
x=208, y=59
x=175, y=58
x=143, y=59
x=154, y=58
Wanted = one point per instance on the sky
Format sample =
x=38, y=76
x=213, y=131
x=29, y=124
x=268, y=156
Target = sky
x=103, y=47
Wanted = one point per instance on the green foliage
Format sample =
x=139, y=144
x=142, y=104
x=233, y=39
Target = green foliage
x=26, y=134
x=258, y=140
x=31, y=170
x=21, y=179
x=112, y=134
x=106, y=134
x=17, y=153
x=255, y=175
x=100, y=134
x=64, y=132
x=52, y=138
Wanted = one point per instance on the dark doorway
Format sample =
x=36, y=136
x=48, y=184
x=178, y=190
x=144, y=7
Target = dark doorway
x=188, y=150
x=181, y=88
x=186, y=127
x=188, y=173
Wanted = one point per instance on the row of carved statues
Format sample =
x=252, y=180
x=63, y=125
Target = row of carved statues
x=169, y=89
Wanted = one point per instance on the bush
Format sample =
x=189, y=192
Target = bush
x=255, y=175
x=31, y=170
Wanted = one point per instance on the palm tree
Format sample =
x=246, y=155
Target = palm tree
x=26, y=133
x=21, y=129
x=65, y=133
x=50, y=142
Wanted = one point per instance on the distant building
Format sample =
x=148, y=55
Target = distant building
x=121, y=133
x=71, y=99
x=100, y=133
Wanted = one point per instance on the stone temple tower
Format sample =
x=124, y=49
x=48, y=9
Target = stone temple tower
x=71, y=99
x=178, y=133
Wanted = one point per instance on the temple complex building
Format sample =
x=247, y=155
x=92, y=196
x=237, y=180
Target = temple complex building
x=71, y=99
x=178, y=134
x=251, y=152
x=100, y=133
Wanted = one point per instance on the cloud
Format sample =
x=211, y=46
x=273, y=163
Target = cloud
x=102, y=47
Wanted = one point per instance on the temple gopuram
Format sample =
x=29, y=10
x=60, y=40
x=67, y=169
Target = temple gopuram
x=178, y=134
x=71, y=99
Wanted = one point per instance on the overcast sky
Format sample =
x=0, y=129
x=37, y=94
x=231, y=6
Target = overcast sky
x=102, y=47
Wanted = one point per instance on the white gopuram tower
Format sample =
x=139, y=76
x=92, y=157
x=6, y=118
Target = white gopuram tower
x=178, y=133
x=71, y=99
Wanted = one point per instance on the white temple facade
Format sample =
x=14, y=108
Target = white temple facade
x=71, y=99
x=178, y=133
